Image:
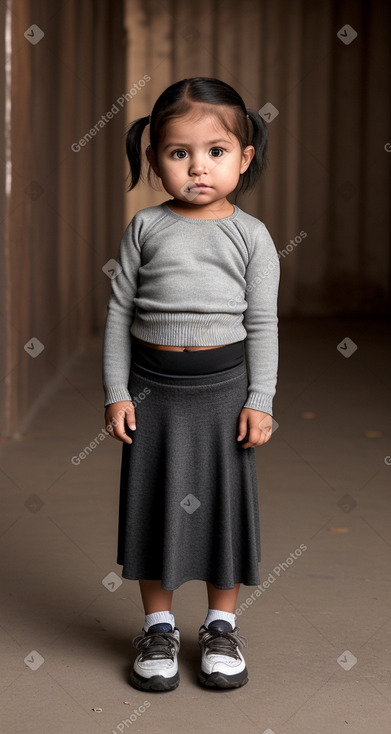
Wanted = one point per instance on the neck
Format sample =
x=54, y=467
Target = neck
x=214, y=210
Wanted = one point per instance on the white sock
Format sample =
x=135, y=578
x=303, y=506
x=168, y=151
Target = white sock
x=157, y=617
x=219, y=614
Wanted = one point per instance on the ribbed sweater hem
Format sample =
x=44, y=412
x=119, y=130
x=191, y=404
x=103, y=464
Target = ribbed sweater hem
x=188, y=329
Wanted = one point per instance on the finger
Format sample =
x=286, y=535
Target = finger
x=121, y=435
x=116, y=428
x=131, y=418
x=249, y=443
x=256, y=438
x=263, y=436
x=242, y=429
x=253, y=435
x=120, y=432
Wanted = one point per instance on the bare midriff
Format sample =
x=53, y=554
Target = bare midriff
x=178, y=349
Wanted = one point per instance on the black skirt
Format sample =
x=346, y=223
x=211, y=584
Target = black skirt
x=188, y=506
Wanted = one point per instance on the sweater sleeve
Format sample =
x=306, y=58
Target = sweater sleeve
x=119, y=318
x=261, y=322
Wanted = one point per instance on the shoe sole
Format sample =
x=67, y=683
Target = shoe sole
x=219, y=680
x=155, y=683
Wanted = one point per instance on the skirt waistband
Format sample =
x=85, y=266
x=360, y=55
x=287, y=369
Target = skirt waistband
x=204, y=361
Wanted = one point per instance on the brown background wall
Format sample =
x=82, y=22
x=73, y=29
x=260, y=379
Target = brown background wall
x=328, y=173
x=65, y=211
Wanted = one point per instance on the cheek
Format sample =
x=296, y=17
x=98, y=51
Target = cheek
x=170, y=166
x=171, y=173
x=231, y=165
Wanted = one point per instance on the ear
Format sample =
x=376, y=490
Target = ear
x=152, y=160
x=247, y=157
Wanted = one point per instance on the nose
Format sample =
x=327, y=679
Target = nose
x=198, y=165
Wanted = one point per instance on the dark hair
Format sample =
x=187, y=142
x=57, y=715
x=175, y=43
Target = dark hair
x=246, y=124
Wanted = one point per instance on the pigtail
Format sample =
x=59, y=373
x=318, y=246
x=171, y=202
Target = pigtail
x=259, y=139
x=133, y=149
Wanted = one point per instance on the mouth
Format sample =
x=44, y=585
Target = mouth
x=198, y=186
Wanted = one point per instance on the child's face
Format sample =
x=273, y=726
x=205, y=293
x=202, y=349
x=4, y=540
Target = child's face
x=195, y=152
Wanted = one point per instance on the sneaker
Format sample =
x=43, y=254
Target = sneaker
x=156, y=667
x=222, y=664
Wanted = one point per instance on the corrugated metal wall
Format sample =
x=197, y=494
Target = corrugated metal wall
x=64, y=214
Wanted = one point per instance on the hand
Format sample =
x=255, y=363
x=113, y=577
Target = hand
x=256, y=425
x=117, y=415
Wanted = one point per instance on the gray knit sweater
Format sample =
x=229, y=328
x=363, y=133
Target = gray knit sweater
x=194, y=282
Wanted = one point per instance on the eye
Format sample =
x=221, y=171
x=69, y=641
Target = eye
x=220, y=152
x=179, y=157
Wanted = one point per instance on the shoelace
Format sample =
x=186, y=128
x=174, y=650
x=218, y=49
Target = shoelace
x=222, y=643
x=154, y=645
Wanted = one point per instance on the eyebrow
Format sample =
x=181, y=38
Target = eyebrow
x=185, y=145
